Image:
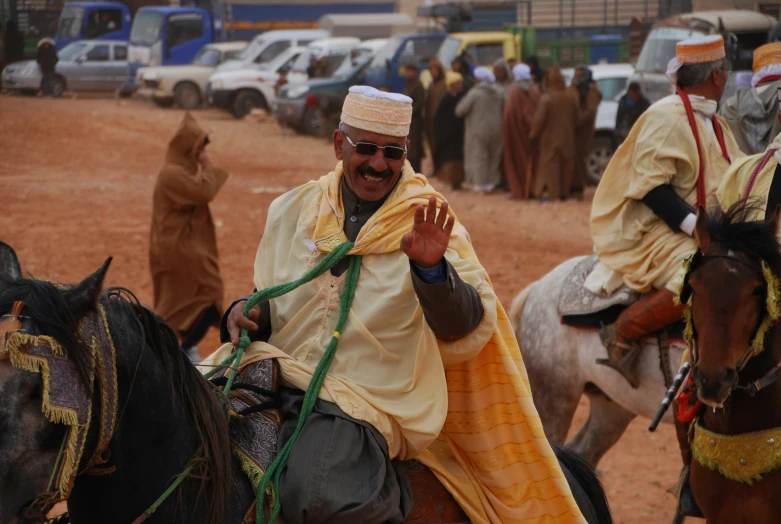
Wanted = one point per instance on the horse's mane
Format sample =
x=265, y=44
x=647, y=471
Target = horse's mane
x=755, y=238
x=206, y=415
x=46, y=304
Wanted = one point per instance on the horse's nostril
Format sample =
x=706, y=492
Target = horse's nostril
x=730, y=376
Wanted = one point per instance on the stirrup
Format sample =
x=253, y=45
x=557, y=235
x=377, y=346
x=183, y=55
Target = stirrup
x=621, y=356
x=682, y=491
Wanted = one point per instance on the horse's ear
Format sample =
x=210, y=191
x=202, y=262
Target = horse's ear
x=701, y=229
x=83, y=297
x=9, y=263
x=774, y=222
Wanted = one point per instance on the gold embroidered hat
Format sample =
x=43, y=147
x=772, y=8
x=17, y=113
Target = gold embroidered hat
x=696, y=50
x=373, y=110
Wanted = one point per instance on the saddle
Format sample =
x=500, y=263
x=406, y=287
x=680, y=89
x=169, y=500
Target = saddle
x=579, y=307
x=254, y=431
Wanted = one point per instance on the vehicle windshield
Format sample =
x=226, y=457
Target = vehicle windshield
x=386, y=52
x=249, y=52
x=70, y=51
x=70, y=22
x=350, y=67
x=302, y=62
x=207, y=56
x=146, y=28
x=448, y=51
x=659, y=48
x=612, y=87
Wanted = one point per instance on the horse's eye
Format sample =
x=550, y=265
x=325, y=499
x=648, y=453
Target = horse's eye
x=758, y=291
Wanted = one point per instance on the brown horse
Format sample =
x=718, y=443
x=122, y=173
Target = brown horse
x=736, y=351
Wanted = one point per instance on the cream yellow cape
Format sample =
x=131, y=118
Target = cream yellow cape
x=628, y=237
x=487, y=446
x=735, y=182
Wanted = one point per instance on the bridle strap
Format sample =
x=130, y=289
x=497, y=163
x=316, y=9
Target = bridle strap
x=753, y=179
x=768, y=379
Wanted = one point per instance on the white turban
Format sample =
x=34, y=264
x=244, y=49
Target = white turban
x=522, y=72
x=373, y=110
x=485, y=75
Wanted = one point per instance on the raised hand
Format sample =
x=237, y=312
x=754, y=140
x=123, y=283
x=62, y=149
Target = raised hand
x=427, y=242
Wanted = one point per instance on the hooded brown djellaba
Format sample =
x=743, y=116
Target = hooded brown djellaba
x=183, y=245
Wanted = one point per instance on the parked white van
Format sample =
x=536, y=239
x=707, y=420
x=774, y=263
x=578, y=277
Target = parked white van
x=267, y=46
x=322, y=58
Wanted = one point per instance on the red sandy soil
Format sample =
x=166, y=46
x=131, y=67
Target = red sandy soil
x=76, y=179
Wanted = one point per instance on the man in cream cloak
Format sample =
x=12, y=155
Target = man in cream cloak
x=643, y=213
x=427, y=365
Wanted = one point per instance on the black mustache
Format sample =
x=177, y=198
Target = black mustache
x=367, y=170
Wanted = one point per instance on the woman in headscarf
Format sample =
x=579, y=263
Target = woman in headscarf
x=448, y=151
x=186, y=278
x=518, y=119
x=436, y=90
x=587, y=94
x=553, y=132
x=482, y=109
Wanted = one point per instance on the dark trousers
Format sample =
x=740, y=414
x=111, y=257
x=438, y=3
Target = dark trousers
x=338, y=470
x=47, y=83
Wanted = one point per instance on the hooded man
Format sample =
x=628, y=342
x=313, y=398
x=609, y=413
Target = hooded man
x=416, y=301
x=503, y=75
x=436, y=90
x=482, y=108
x=586, y=92
x=448, y=151
x=751, y=113
x=415, y=90
x=183, y=258
x=553, y=131
x=518, y=120
x=47, y=59
x=643, y=214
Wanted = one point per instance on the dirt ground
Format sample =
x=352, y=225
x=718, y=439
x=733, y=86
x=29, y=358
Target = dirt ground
x=76, y=181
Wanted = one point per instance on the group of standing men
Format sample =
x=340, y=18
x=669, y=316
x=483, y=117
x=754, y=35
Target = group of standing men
x=485, y=126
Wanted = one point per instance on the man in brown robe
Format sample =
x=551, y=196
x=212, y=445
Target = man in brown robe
x=186, y=278
x=415, y=90
x=518, y=119
x=436, y=91
x=586, y=92
x=448, y=150
x=554, y=133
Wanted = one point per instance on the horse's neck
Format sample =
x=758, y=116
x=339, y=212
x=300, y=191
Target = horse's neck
x=152, y=442
x=743, y=413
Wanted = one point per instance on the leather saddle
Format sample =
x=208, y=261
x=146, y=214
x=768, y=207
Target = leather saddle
x=254, y=431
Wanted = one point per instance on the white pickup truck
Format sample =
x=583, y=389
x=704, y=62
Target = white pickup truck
x=185, y=85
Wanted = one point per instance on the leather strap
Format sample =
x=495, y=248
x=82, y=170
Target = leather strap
x=753, y=179
x=701, y=193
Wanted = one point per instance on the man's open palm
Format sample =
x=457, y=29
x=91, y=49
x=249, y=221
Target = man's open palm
x=427, y=242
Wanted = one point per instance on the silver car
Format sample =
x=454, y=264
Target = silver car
x=85, y=65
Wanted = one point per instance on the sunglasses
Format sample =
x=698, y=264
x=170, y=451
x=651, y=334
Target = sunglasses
x=369, y=149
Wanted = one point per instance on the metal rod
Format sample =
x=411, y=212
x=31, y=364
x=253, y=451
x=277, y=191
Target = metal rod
x=668, y=398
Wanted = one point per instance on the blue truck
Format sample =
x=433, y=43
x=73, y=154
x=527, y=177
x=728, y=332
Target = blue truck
x=173, y=35
x=96, y=21
x=386, y=71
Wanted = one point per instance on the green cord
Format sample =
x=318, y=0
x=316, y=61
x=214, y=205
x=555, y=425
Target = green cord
x=274, y=471
x=234, y=360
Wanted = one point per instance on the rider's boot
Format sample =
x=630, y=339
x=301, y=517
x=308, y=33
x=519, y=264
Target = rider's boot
x=650, y=314
x=682, y=489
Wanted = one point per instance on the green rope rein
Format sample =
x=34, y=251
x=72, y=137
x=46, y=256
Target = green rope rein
x=274, y=471
x=234, y=360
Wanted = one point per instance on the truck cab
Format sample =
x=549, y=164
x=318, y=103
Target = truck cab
x=386, y=71
x=92, y=21
x=167, y=36
x=743, y=32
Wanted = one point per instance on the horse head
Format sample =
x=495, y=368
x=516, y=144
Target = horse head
x=732, y=281
x=29, y=442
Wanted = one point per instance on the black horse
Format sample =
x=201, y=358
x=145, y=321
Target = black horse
x=166, y=415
